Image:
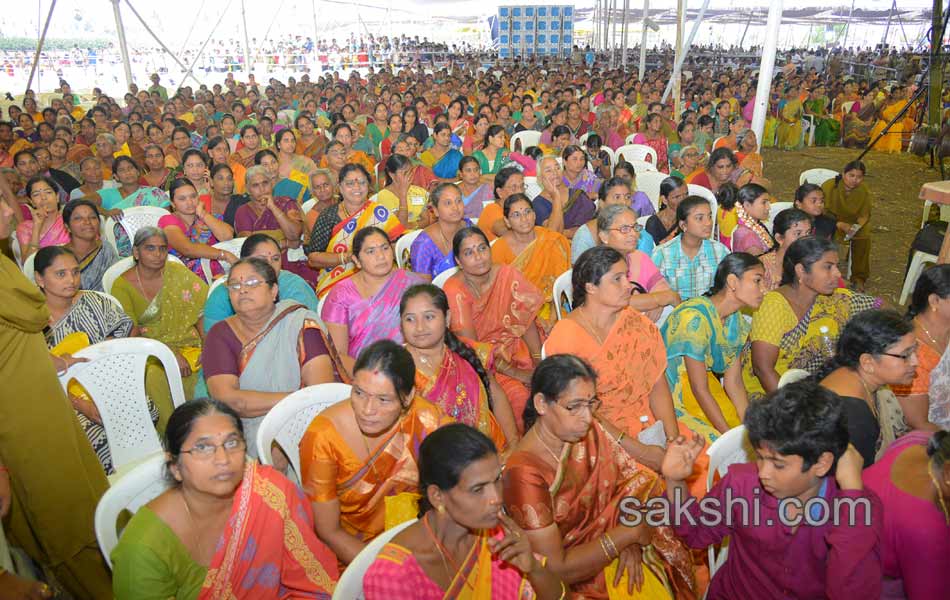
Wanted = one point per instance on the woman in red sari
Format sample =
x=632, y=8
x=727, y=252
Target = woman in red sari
x=190, y=542
x=498, y=305
x=565, y=484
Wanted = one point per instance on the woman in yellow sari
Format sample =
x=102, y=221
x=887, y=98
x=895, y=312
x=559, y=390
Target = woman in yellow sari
x=564, y=485
x=790, y=123
x=358, y=458
x=165, y=301
x=539, y=253
x=330, y=248
x=460, y=481
x=893, y=105
x=704, y=339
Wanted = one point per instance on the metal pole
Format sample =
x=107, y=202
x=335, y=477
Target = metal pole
x=313, y=9
x=247, y=42
x=847, y=27
x=766, y=68
x=643, y=40
x=746, y=30
x=120, y=29
x=936, y=67
x=607, y=48
x=677, y=75
x=163, y=46
x=887, y=28
x=623, y=36
x=39, y=46
x=678, y=66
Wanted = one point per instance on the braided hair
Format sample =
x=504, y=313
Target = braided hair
x=452, y=342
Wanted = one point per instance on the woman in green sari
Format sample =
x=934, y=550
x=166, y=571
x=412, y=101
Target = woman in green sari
x=165, y=301
x=494, y=155
x=790, y=120
x=128, y=193
x=827, y=128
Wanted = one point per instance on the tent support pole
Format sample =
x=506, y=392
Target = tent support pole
x=39, y=48
x=623, y=36
x=643, y=40
x=680, y=49
x=247, y=43
x=123, y=47
x=678, y=64
x=766, y=68
x=162, y=44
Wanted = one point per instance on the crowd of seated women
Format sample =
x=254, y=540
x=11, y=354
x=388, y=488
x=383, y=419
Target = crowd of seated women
x=681, y=320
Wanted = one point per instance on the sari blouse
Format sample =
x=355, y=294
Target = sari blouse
x=197, y=233
x=269, y=515
x=582, y=498
x=368, y=319
x=330, y=470
x=501, y=316
x=475, y=202
x=542, y=261
x=578, y=210
x=396, y=575
x=587, y=182
x=426, y=258
x=446, y=166
x=56, y=235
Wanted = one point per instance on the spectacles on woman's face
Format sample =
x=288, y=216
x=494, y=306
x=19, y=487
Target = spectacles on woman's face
x=628, y=229
x=355, y=183
x=250, y=284
x=205, y=450
x=518, y=214
x=574, y=407
x=904, y=356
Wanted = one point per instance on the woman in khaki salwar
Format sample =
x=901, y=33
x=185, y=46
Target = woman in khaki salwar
x=55, y=477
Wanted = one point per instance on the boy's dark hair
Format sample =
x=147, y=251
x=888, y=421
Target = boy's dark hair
x=801, y=418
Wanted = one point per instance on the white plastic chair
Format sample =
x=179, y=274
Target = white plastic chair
x=637, y=152
x=716, y=141
x=442, y=277
x=791, y=376
x=132, y=220
x=215, y=284
x=288, y=420
x=532, y=189
x=612, y=154
x=526, y=139
x=27, y=267
x=136, y=488
x=562, y=287
x=808, y=128
x=917, y=264
x=15, y=247
x=350, y=586
x=233, y=246
x=308, y=205
x=120, y=267
x=403, y=246
x=114, y=377
x=774, y=210
x=642, y=166
x=699, y=190
x=582, y=141
x=944, y=213
x=816, y=176
x=649, y=182
x=730, y=448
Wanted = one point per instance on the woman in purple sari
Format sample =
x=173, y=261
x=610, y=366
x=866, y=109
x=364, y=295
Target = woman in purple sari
x=558, y=207
x=364, y=308
x=475, y=192
x=431, y=251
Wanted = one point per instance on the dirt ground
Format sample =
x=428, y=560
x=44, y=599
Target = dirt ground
x=894, y=180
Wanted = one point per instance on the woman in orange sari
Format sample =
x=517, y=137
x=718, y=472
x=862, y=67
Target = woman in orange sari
x=629, y=353
x=451, y=374
x=498, y=305
x=240, y=504
x=566, y=482
x=358, y=458
x=539, y=253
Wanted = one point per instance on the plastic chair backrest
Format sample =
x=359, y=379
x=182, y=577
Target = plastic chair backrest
x=562, y=287
x=114, y=378
x=846, y=106
x=350, y=586
x=130, y=492
x=524, y=139
x=642, y=166
x=582, y=141
x=775, y=209
x=705, y=192
x=120, y=267
x=214, y=284
x=15, y=247
x=444, y=276
x=132, y=220
x=28, y=266
x=308, y=205
x=288, y=420
x=531, y=187
x=649, y=182
x=791, y=376
x=233, y=246
x=637, y=152
x=403, y=244
x=730, y=448
x=816, y=176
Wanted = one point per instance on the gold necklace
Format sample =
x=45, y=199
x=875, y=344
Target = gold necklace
x=557, y=459
x=933, y=340
x=590, y=327
x=444, y=553
x=871, y=401
x=194, y=526
x=943, y=504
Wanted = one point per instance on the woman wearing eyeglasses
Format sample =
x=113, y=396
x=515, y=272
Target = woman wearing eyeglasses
x=539, y=253
x=617, y=227
x=191, y=542
x=330, y=248
x=877, y=348
x=266, y=350
x=564, y=483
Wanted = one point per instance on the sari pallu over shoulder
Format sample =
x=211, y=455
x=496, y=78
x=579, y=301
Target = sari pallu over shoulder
x=271, y=517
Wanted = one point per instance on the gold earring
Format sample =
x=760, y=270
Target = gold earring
x=441, y=509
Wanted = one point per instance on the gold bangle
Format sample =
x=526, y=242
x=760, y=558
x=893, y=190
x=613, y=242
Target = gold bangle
x=603, y=546
x=620, y=437
x=563, y=592
x=611, y=545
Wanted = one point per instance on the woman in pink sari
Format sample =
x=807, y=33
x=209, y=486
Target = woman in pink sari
x=654, y=138
x=46, y=227
x=193, y=541
x=365, y=307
